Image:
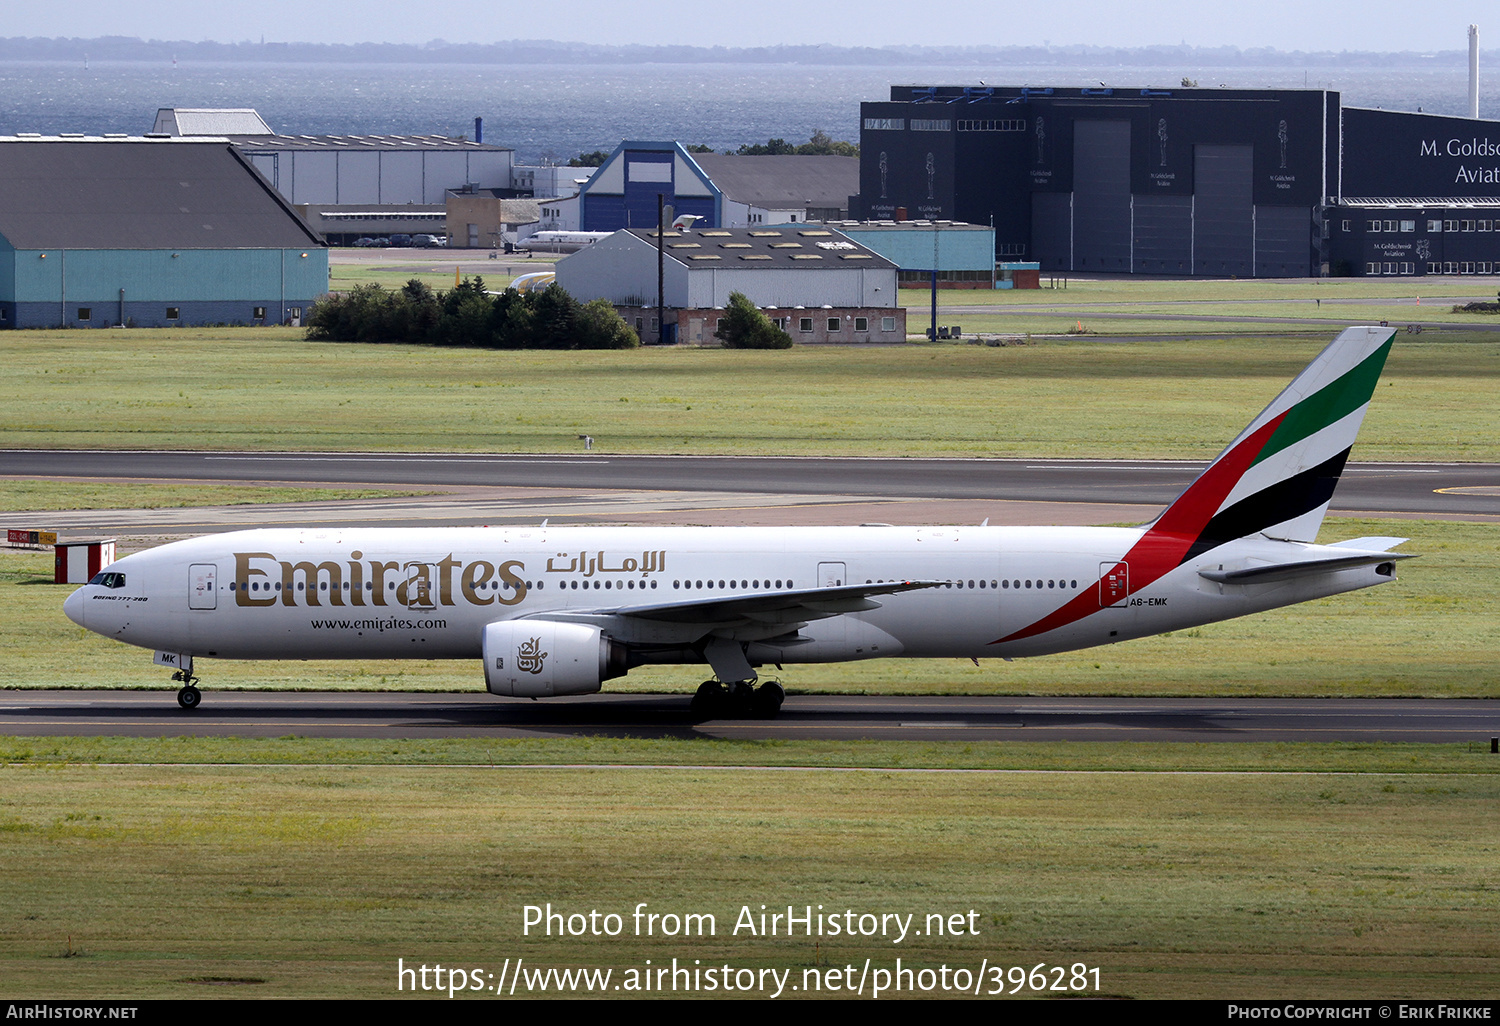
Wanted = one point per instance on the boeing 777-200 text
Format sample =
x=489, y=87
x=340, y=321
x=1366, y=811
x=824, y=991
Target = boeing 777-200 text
x=559, y=610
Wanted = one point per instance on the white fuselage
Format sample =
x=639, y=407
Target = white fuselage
x=429, y=592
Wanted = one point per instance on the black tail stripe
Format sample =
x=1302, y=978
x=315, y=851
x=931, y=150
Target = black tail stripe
x=1285, y=500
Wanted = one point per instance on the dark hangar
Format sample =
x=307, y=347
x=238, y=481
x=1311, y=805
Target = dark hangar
x=1204, y=182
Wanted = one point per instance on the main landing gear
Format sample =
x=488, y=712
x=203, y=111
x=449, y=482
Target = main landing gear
x=188, y=696
x=740, y=698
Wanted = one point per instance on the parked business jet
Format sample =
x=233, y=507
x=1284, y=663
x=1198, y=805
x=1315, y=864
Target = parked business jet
x=559, y=610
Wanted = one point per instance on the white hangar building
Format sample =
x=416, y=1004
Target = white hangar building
x=816, y=284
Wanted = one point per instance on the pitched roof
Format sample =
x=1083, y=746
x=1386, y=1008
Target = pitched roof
x=140, y=194
x=783, y=181
x=800, y=246
x=205, y=121
x=326, y=143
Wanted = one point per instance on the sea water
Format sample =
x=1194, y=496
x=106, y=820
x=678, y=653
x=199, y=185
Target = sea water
x=549, y=113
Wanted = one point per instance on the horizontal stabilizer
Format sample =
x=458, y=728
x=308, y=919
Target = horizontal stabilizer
x=1378, y=543
x=1269, y=573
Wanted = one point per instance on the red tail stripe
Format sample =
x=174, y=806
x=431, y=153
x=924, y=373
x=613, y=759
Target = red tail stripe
x=1163, y=547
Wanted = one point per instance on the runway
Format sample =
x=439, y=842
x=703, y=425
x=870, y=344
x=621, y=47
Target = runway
x=812, y=717
x=516, y=489
x=520, y=489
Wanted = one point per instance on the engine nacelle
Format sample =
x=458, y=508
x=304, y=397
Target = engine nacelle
x=545, y=658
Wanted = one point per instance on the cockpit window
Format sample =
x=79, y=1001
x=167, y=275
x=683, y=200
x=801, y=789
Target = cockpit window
x=108, y=579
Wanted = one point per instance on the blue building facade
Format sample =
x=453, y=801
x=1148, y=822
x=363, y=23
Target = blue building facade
x=623, y=193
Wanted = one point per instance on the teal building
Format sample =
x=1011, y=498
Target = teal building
x=99, y=232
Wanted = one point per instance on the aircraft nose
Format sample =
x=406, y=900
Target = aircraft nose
x=73, y=606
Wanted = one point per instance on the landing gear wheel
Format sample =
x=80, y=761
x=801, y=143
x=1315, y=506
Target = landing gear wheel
x=189, y=697
x=710, y=699
x=741, y=698
x=767, y=700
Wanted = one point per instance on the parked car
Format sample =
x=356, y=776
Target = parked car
x=400, y=239
x=424, y=241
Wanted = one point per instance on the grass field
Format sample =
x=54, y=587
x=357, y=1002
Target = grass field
x=497, y=274
x=269, y=389
x=43, y=495
x=141, y=868
x=313, y=880
x=1434, y=632
x=1120, y=306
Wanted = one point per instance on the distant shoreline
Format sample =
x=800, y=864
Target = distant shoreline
x=546, y=52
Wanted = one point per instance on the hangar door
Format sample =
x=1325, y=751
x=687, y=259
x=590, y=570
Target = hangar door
x=1223, y=211
x=1283, y=241
x=1101, y=196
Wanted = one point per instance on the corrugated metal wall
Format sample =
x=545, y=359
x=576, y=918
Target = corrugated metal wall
x=1101, y=195
x=1223, y=210
x=204, y=286
x=1052, y=230
x=1283, y=241
x=1164, y=234
x=380, y=176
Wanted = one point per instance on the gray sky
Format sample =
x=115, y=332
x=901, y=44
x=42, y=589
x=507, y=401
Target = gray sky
x=1381, y=25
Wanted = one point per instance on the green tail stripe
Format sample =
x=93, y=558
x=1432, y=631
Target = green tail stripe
x=1329, y=404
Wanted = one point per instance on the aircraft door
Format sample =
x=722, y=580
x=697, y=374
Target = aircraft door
x=832, y=575
x=1114, y=584
x=203, y=590
x=420, y=589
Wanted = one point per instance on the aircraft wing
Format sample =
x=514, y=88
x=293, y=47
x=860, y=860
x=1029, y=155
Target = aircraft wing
x=747, y=617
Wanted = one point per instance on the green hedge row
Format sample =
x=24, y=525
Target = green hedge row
x=468, y=315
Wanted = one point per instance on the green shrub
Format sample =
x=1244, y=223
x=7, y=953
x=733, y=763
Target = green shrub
x=468, y=315
x=743, y=326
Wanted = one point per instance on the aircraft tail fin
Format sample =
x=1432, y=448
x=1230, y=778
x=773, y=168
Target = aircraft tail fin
x=1278, y=476
x=1275, y=479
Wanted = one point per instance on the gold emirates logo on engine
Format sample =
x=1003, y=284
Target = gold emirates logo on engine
x=530, y=657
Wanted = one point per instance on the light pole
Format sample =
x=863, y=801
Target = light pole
x=932, y=332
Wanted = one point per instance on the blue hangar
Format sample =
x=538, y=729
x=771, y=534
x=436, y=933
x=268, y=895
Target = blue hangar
x=98, y=232
x=1217, y=182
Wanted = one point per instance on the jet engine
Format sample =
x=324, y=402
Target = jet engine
x=545, y=658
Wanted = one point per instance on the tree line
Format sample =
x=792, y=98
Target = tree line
x=469, y=315
x=820, y=145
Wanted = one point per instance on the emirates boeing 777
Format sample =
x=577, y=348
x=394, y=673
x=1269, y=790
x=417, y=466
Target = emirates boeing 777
x=559, y=610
